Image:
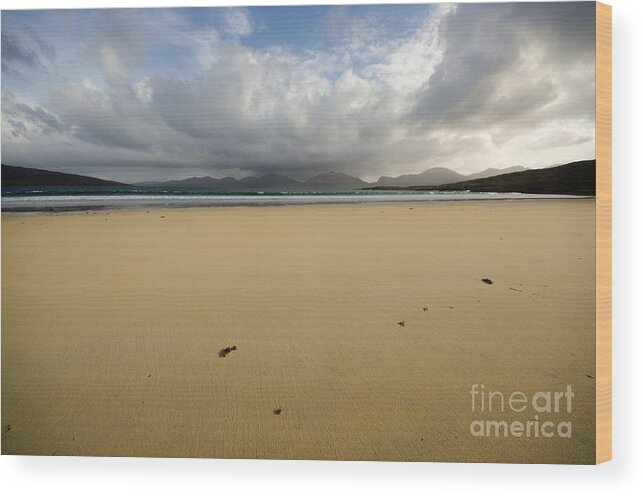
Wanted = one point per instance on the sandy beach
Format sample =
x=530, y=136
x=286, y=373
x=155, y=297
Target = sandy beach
x=359, y=329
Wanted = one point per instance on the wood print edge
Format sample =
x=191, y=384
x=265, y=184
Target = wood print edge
x=603, y=232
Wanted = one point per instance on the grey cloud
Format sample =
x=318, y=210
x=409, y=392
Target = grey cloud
x=22, y=117
x=23, y=49
x=17, y=128
x=39, y=115
x=504, y=61
x=112, y=118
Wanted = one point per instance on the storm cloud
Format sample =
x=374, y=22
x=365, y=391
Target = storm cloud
x=167, y=93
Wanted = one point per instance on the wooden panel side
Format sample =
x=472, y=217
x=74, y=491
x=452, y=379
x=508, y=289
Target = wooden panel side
x=603, y=232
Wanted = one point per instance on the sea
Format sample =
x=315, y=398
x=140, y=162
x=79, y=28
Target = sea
x=66, y=198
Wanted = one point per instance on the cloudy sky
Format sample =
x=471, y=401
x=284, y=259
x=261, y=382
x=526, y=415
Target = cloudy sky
x=370, y=90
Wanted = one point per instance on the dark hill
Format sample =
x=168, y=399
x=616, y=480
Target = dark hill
x=494, y=171
x=26, y=176
x=576, y=178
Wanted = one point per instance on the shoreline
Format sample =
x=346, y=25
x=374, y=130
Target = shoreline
x=281, y=201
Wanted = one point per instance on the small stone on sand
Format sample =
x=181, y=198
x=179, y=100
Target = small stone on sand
x=225, y=351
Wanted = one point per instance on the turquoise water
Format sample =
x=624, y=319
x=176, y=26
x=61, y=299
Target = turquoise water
x=18, y=198
x=42, y=191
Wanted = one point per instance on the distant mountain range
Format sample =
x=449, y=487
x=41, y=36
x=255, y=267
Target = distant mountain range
x=574, y=178
x=268, y=181
x=436, y=175
x=26, y=176
x=328, y=181
x=334, y=180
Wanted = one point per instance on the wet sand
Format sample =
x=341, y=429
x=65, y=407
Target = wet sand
x=350, y=332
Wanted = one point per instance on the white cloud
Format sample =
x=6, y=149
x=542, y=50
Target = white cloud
x=238, y=21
